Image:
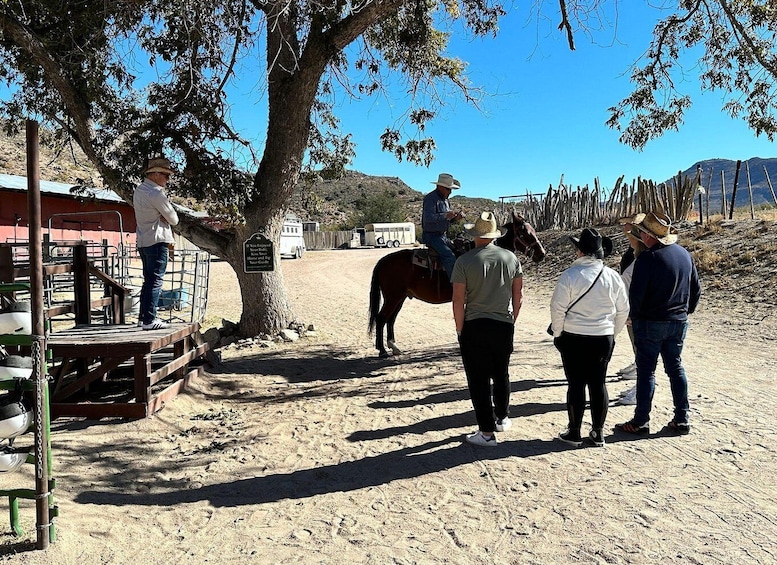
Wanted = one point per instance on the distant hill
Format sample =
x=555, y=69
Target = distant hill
x=333, y=202
x=711, y=179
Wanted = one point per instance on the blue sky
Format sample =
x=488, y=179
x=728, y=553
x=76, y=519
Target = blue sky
x=545, y=117
x=548, y=116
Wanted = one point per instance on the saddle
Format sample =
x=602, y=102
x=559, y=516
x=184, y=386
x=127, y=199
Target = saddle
x=428, y=258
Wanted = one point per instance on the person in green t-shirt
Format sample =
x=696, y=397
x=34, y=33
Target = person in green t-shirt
x=487, y=297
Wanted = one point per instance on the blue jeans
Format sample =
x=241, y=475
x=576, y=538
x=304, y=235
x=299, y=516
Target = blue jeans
x=154, y=260
x=665, y=339
x=439, y=243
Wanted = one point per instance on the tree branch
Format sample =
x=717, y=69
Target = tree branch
x=746, y=38
x=78, y=108
x=565, y=24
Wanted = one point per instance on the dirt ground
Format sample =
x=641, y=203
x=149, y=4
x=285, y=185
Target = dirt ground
x=319, y=452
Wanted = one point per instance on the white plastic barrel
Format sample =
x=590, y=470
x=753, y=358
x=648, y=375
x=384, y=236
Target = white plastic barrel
x=16, y=318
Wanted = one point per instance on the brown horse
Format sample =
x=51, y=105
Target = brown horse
x=397, y=278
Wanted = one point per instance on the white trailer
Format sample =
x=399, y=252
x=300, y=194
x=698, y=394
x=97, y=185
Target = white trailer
x=292, y=241
x=389, y=234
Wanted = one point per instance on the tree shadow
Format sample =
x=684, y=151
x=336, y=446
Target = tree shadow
x=325, y=364
x=405, y=463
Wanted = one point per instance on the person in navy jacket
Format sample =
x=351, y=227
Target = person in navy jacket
x=664, y=289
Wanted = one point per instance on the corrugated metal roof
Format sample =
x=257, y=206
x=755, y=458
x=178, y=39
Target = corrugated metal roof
x=15, y=182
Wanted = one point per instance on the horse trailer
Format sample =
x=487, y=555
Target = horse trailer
x=292, y=241
x=389, y=234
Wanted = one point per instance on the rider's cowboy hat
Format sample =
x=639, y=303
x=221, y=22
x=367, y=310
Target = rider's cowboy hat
x=159, y=165
x=484, y=227
x=591, y=242
x=659, y=226
x=447, y=180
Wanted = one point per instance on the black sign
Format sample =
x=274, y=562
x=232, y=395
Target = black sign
x=257, y=254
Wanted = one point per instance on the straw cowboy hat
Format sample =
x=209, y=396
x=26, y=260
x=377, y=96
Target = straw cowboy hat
x=591, y=242
x=159, y=165
x=634, y=233
x=484, y=227
x=447, y=180
x=659, y=226
x=635, y=219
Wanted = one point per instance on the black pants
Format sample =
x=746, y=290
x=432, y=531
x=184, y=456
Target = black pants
x=486, y=346
x=585, y=359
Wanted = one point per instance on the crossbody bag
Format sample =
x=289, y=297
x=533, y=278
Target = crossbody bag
x=550, y=326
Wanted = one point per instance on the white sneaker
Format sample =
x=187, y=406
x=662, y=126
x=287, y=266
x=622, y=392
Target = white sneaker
x=479, y=439
x=504, y=424
x=156, y=324
x=629, y=397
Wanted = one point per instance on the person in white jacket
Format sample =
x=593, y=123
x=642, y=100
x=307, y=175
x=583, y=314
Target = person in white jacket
x=153, y=217
x=589, y=307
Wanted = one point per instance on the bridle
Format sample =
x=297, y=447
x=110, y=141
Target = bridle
x=529, y=248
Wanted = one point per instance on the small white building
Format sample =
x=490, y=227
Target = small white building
x=389, y=234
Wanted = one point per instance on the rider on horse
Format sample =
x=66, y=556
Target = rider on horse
x=437, y=217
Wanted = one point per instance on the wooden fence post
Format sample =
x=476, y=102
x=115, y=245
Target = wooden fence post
x=734, y=191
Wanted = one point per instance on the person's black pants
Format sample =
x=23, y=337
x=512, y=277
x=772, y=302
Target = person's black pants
x=585, y=359
x=486, y=346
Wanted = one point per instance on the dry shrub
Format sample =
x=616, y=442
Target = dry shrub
x=767, y=247
x=707, y=260
x=746, y=257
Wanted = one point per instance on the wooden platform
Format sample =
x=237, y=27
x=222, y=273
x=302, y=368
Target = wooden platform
x=90, y=361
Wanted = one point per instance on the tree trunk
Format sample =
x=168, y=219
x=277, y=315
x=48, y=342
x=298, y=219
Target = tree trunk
x=266, y=307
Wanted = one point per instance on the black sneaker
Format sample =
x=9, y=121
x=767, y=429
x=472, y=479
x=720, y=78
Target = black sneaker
x=597, y=438
x=570, y=438
x=682, y=428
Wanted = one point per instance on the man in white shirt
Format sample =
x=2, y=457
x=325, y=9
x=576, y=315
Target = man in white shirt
x=153, y=216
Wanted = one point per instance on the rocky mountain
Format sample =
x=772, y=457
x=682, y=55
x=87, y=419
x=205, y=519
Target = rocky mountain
x=720, y=173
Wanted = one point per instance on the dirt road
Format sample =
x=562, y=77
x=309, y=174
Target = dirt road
x=318, y=452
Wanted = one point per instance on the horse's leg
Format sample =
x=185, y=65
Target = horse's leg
x=386, y=316
x=390, y=330
x=380, y=321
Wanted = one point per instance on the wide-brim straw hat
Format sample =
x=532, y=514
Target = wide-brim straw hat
x=447, y=180
x=635, y=219
x=659, y=225
x=159, y=165
x=484, y=227
x=634, y=233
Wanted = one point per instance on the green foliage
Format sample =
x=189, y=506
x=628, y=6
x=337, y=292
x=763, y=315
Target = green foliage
x=380, y=208
x=737, y=57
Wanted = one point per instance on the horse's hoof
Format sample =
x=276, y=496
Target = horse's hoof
x=383, y=355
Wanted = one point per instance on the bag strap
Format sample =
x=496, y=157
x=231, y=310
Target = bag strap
x=586, y=292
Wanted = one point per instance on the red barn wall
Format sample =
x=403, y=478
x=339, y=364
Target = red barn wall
x=83, y=221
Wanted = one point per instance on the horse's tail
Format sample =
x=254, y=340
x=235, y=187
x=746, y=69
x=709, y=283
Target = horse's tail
x=374, y=297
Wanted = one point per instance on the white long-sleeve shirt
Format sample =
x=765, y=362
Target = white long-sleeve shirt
x=603, y=311
x=153, y=215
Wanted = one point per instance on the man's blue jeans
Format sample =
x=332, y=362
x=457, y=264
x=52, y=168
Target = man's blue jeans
x=439, y=243
x=154, y=260
x=665, y=339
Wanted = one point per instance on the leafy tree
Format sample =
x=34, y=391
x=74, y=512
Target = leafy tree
x=381, y=208
x=736, y=39
x=127, y=80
